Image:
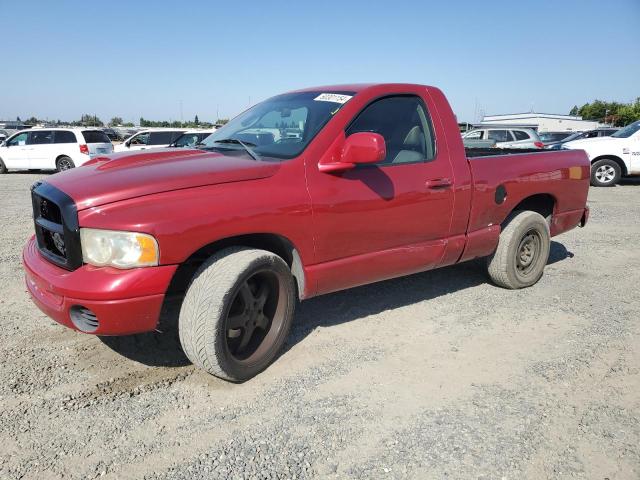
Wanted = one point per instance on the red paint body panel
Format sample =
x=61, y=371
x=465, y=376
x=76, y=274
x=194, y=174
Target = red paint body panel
x=349, y=227
x=563, y=174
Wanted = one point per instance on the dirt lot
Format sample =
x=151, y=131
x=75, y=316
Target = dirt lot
x=438, y=375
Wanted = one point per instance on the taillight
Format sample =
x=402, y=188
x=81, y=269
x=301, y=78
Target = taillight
x=84, y=149
x=539, y=144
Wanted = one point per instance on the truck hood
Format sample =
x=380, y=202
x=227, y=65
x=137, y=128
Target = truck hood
x=129, y=175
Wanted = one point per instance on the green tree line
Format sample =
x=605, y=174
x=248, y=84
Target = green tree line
x=615, y=113
x=87, y=120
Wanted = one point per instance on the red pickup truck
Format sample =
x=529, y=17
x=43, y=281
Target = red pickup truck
x=306, y=193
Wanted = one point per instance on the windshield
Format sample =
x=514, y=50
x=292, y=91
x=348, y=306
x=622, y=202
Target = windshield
x=280, y=127
x=573, y=136
x=627, y=131
x=553, y=136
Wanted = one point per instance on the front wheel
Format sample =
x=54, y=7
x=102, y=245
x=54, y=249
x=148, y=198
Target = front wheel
x=522, y=252
x=605, y=173
x=237, y=312
x=3, y=168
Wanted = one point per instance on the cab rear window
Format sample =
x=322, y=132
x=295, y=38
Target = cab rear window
x=95, y=136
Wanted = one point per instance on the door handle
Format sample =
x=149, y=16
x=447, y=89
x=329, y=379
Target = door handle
x=438, y=183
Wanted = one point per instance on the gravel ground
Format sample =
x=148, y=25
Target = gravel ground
x=437, y=375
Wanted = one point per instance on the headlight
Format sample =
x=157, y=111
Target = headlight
x=118, y=249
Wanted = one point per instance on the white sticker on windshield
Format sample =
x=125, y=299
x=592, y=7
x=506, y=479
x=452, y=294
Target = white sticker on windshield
x=333, y=97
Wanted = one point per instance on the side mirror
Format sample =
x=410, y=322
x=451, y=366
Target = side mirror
x=358, y=148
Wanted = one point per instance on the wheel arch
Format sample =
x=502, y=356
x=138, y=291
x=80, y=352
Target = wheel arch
x=542, y=203
x=618, y=160
x=271, y=242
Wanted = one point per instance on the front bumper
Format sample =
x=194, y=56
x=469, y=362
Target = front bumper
x=124, y=301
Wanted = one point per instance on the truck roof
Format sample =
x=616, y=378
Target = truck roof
x=358, y=87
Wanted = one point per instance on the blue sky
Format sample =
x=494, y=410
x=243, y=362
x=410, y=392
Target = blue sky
x=62, y=59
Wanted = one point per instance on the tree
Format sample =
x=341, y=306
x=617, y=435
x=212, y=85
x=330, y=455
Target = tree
x=222, y=121
x=616, y=113
x=115, y=121
x=628, y=113
x=196, y=121
x=574, y=111
x=32, y=121
x=18, y=119
x=90, y=120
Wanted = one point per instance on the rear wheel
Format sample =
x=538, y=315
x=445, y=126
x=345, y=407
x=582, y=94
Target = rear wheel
x=522, y=252
x=64, y=163
x=237, y=313
x=3, y=168
x=605, y=173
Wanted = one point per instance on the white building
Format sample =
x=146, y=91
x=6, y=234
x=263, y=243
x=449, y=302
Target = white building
x=543, y=122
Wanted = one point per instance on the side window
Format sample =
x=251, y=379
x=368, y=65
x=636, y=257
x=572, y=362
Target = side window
x=63, y=136
x=142, y=139
x=499, y=135
x=160, y=138
x=18, y=140
x=591, y=134
x=175, y=136
x=475, y=135
x=40, y=137
x=520, y=135
x=404, y=123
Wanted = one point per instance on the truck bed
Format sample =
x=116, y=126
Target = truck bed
x=490, y=152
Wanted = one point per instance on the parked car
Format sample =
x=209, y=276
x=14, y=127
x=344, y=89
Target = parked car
x=52, y=148
x=478, y=143
x=599, y=132
x=377, y=186
x=553, y=137
x=113, y=135
x=14, y=126
x=192, y=138
x=4, y=134
x=611, y=157
x=504, y=137
x=149, y=139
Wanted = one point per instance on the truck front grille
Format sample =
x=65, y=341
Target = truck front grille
x=56, y=224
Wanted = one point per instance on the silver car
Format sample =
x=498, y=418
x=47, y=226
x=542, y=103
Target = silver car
x=504, y=137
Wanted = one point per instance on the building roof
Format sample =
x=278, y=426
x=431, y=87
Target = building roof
x=518, y=116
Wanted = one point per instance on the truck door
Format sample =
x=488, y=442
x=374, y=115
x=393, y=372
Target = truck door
x=389, y=218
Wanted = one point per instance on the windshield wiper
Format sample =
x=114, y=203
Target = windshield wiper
x=246, y=145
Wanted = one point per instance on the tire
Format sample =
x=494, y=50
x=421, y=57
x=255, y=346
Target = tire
x=3, y=168
x=228, y=325
x=522, y=252
x=64, y=163
x=605, y=173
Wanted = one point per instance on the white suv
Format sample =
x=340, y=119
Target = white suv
x=507, y=137
x=52, y=148
x=611, y=157
x=150, y=139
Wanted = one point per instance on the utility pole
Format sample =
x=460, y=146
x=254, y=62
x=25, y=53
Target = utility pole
x=181, y=118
